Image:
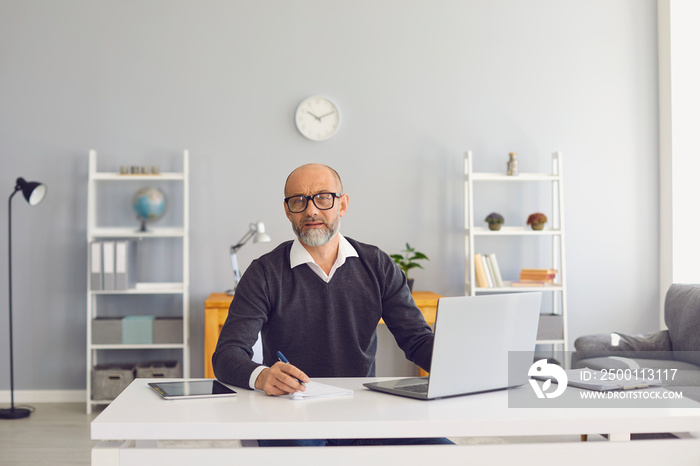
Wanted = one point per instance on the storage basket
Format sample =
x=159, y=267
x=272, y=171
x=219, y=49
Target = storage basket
x=108, y=380
x=159, y=369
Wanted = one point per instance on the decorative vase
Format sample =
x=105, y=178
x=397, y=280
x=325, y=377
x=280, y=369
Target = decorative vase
x=495, y=226
x=537, y=226
x=410, y=284
x=512, y=164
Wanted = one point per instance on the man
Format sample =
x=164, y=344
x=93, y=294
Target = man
x=318, y=300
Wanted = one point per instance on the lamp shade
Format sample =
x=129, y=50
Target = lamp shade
x=260, y=235
x=33, y=191
x=256, y=231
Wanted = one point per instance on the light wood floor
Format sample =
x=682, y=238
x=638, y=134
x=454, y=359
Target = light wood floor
x=54, y=434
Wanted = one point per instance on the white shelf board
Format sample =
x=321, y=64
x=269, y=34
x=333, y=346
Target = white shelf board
x=522, y=177
x=520, y=231
x=108, y=176
x=134, y=232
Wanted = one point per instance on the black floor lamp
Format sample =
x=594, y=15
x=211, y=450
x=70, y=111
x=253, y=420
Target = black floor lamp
x=34, y=193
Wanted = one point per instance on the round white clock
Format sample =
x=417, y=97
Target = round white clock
x=317, y=118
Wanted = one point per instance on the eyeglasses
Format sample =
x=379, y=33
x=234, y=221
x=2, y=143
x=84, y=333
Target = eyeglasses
x=322, y=201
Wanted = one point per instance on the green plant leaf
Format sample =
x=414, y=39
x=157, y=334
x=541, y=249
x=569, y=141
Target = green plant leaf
x=406, y=260
x=413, y=265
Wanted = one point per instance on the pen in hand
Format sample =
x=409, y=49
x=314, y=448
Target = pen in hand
x=281, y=357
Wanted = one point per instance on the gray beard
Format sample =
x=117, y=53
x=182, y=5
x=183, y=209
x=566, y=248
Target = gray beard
x=317, y=236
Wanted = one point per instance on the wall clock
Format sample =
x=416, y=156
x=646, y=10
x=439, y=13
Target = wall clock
x=317, y=118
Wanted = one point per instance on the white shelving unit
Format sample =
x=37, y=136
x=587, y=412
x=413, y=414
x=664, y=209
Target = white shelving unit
x=97, y=232
x=552, y=322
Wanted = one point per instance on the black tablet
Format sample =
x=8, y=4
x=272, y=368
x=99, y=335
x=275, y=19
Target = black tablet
x=187, y=389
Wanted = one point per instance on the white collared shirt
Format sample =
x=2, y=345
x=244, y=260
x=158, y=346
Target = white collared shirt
x=298, y=255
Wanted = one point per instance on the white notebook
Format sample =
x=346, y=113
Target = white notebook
x=319, y=390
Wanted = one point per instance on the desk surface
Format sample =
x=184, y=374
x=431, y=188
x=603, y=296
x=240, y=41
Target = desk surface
x=139, y=413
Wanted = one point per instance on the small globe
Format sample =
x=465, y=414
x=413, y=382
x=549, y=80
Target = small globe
x=150, y=205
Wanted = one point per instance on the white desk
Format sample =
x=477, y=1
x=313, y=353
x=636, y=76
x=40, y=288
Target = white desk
x=141, y=417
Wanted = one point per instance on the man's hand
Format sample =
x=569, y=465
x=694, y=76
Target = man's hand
x=281, y=379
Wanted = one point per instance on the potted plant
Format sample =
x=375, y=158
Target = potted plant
x=494, y=220
x=537, y=220
x=407, y=261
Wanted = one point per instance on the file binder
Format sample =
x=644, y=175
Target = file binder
x=108, y=265
x=125, y=262
x=96, y=265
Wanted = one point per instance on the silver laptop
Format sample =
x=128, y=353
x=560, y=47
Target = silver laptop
x=482, y=343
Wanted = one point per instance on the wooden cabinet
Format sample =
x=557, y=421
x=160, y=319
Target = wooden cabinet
x=215, y=313
x=216, y=310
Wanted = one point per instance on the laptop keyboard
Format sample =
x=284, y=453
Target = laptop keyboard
x=419, y=388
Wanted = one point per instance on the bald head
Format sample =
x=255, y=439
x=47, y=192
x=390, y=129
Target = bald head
x=312, y=178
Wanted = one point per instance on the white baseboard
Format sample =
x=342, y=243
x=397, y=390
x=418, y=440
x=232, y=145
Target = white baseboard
x=44, y=396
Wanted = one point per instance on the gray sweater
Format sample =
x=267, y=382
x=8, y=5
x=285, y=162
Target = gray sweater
x=324, y=329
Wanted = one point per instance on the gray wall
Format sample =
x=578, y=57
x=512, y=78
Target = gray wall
x=418, y=83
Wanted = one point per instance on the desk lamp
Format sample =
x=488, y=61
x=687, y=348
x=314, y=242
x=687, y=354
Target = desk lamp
x=255, y=231
x=34, y=193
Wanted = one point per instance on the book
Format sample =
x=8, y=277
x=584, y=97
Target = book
x=543, y=275
x=495, y=269
x=479, y=272
x=527, y=284
x=537, y=275
x=487, y=269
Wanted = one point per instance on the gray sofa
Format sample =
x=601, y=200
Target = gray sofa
x=675, y=352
